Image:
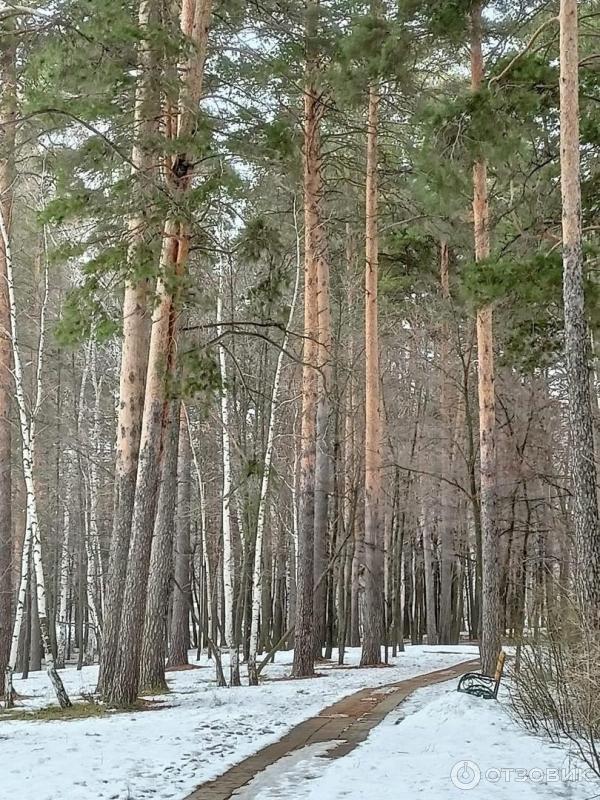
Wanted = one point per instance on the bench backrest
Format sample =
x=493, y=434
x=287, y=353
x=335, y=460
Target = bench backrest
x=500, y=666
x=499, y=671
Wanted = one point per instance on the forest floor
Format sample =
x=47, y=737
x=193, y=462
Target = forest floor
x=197, y=731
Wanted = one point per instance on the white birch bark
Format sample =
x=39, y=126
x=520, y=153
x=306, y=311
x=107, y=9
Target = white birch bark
x=257, y=573
x=26, y=554
x=95, y=577
x=27, y=425
x=89, y=503
x=94, y=481
x=62, y=623
x=19, y=616
x=228, y=548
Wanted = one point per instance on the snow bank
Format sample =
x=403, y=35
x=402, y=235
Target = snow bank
x=164, y=754
x=442, y=745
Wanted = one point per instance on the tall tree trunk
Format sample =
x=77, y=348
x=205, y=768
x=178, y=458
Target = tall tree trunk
x=123, y=690
x=304, y=631
x=20, y=618
x=587, y=541
x=323, y=457
x=355, y=546
x=373, y=575
x=446, y=523
x=229, y=560
x=195, y=19
x=427, y=508
x=257, y=571
x=490, y=616
x=179, y=640
x=8, y=102
x=62, y=634
x=35, y=645
x=152, y=669
x=22, y=663
x=134, y=351
x=90, y=445
x=28, y=433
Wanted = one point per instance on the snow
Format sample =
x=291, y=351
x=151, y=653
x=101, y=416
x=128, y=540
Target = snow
x=435, y=745
x=200, y=731
x=438, y=745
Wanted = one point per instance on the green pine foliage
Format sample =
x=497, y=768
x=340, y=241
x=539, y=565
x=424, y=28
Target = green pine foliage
x=246, y=149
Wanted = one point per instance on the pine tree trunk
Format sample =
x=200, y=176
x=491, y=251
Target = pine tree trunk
x=372, y=620
x=124, y=688
x=490, y=615
x=195, y=18
x=134, y=352
x=152, y=669
x=7, y=153
x=304, y=630
x=179, y=640
x=583, y=465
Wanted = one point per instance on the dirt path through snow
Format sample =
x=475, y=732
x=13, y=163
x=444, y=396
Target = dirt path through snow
x=333, y=733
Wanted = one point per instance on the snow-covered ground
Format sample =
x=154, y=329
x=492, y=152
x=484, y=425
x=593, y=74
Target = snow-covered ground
x=438, y=745
x=164, y=753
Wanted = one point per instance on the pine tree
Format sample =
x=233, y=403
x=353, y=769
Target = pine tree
x=373, y=600
x=490, y=613
x=134, y=352
x=576, y=329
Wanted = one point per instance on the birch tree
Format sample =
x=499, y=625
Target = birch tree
x=32, y=544
x=64, y=578
x=8, y=110
x=227, y=506
x=257, y=571
x=89, y=466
